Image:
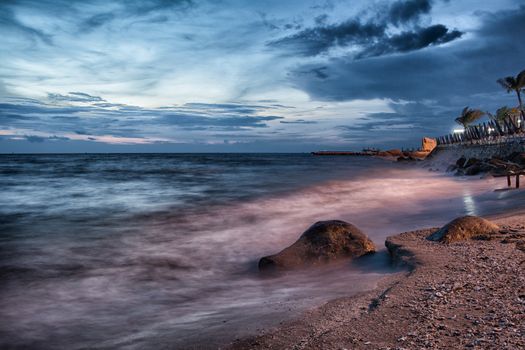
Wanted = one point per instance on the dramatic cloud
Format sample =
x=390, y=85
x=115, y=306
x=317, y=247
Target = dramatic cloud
x=444, y=80
x=457, y=72
x=313, y=41
x=372, y=37
x=406, y=11
x=411, y=41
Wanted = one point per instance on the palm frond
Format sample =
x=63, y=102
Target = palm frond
x=503, y=83
x=469, y=116
x=520, y=79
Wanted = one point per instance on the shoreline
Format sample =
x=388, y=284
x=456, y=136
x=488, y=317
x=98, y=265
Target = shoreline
x=468, y=294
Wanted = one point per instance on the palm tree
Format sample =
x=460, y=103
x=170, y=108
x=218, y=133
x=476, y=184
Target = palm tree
x=468, y=116
x=504, y=113
x=515, y=84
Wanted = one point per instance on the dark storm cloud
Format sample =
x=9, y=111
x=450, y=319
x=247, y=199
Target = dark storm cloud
x=440, y=82
x=411, y=41
x=313, y=41
x=448, y=73
x=320, y=72
x=372, y=37
x=406, y=11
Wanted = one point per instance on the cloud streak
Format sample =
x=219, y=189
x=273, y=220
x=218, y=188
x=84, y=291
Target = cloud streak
x=80, y=116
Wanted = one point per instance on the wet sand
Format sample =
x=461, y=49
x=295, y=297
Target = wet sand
x=464, y=295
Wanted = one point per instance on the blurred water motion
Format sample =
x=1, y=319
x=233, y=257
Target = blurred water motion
x=140, y=251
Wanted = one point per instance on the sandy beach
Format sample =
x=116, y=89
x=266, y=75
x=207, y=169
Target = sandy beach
x=468, y=294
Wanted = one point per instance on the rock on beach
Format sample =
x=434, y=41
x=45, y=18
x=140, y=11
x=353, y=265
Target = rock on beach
x=463, y=228
x=323, y=242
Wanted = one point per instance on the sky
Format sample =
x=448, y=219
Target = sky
x=249, y=76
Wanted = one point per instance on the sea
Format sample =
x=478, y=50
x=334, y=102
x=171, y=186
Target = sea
x=160, y=251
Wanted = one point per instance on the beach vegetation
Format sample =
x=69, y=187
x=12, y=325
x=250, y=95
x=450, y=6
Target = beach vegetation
x=468, y=116
x=516, y=84
x=504, y=113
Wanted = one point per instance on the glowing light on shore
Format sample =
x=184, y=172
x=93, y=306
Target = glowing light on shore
x=469, y=203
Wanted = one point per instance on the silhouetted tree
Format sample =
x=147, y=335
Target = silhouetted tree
x=515, y=84
x=504, y=113
x=468, y=116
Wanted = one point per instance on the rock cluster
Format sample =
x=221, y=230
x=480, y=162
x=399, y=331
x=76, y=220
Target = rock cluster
x=399, y=155
x=427, y=146
x=468, y=295
x=323, y=242
x=494, y=165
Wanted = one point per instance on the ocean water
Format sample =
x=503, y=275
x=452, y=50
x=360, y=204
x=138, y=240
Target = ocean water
x=149, y=251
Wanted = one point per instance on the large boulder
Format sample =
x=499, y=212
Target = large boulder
x=464, y=228
x=323, y=242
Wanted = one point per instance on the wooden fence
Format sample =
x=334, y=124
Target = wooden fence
x=487, y=133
